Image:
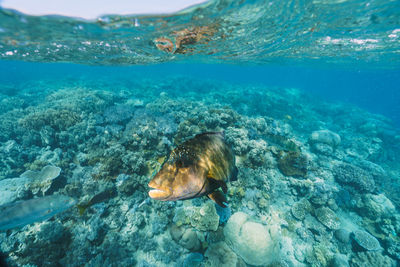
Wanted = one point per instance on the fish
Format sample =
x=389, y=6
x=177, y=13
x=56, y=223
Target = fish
x=21, y=213
x=199, y=166
x=98, y=198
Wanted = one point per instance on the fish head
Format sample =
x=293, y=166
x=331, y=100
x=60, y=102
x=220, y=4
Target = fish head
x=174, y=183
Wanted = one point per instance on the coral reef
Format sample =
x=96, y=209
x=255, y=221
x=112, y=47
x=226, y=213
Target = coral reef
x=204, y=218
x=219, y=254
x=30, y=182
x=354, y=176
x=371, y=259
x=305, y=195
x=328, y=218
x=301, y=209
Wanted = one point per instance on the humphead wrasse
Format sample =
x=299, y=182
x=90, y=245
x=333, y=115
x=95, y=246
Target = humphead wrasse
x=196, y=168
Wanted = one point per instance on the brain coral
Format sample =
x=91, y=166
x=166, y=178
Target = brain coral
x=328, y=218
x=354, y=176
x=255, y=243
x=365, y=240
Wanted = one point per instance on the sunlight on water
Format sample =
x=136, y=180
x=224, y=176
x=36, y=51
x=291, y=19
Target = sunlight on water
x=292, y=32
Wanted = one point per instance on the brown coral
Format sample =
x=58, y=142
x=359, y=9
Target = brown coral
x=293, y=163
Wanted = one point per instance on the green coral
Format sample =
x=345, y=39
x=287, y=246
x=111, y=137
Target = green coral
x=58, y=119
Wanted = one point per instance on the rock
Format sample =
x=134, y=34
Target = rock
x=371, y=259
x=300, y=209
x=42, y=180
x=393, y=248
x=50, y=231
x=189, y=240
x=299, y=254
x=325, y=137
x=328, y=218
x=342, y=235
x=354, y=176
x=176, y=232
x=340, y=260
x=378, y=206
x=318, y=256
x=215, y=237
x=305, y=234
x=193, y=259
x=12, y=189
x=324, y=141
x=366, y=240
x=322, y=148
x=255, y=243
x=220, y=255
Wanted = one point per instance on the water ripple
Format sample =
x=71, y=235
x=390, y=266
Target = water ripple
x=240, y=32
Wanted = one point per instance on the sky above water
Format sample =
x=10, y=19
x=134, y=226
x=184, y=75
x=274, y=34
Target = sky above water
x=90, y=9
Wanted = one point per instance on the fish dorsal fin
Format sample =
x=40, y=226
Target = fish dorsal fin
x=215, y=184
x=218, y=198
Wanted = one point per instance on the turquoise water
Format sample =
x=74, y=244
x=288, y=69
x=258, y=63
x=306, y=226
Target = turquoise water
x=306, y=93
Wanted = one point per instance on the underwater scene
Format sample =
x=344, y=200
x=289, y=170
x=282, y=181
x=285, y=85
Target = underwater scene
x=229, y=134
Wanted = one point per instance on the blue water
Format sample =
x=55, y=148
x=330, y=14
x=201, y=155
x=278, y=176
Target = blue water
x=305, y=92
x=374, y=90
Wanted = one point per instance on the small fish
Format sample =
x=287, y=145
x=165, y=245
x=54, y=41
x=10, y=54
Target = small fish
x=196, y=168
x=21, y=213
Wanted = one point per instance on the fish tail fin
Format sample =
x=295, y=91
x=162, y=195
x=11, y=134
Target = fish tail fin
x=219, y=198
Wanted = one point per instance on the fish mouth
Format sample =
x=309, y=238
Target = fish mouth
x=158, y=194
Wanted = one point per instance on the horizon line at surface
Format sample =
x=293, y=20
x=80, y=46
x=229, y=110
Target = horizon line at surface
x=92, y=9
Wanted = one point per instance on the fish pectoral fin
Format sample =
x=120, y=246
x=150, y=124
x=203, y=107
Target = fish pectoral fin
x=215, y=184
x=219, y=198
